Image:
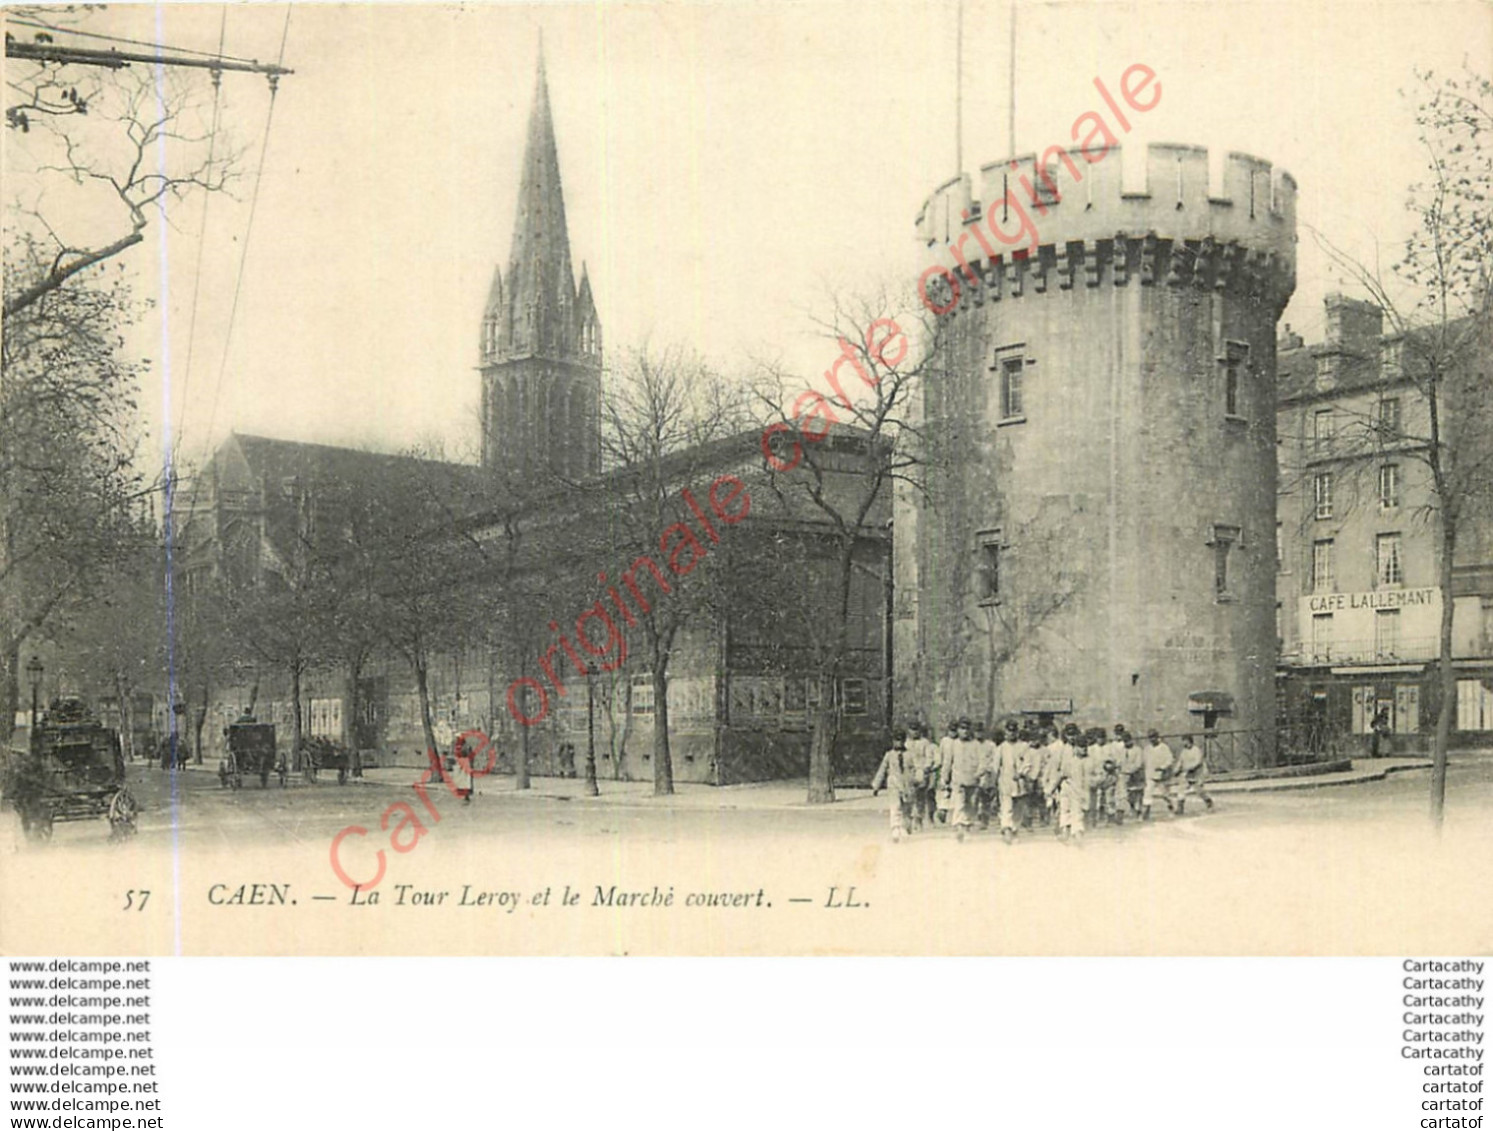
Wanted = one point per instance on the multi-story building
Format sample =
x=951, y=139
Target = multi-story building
x=1358, y=594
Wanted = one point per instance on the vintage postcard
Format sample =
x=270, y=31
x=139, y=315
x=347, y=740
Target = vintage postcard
x=747, y=478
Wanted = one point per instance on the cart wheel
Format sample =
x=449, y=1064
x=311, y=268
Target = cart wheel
x=342, y=776
x=264, y=779
x=122, y=810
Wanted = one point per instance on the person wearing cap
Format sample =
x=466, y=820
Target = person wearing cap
x=1052, y=760
x=919, y=762
x=986, y=791
x=1132, y=769
x=1010, y=762
x=896, y=774
x=1104, y=777
x=1074, y=778
x=1191, y=775
x=960, y=774
x=1158, y=759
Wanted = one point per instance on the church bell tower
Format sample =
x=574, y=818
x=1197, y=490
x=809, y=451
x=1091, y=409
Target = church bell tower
x=541, y=339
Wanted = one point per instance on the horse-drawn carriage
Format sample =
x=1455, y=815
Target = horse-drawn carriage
x=73, y=770
x=250, y=749
x=319, y=753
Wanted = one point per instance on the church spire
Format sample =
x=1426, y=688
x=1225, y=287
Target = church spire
x=541, y=338
x=541, y=283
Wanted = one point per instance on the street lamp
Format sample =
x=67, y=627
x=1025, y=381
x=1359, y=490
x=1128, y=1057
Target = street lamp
x=591, y=788
x=34, y=671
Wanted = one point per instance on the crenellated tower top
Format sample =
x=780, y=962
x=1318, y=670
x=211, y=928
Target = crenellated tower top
x=1070, y=214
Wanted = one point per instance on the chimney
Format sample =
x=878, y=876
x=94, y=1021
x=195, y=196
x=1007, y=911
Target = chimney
x=1289, y=340
x=1353, y=326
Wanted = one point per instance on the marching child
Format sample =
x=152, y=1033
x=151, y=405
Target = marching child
x=896, y=774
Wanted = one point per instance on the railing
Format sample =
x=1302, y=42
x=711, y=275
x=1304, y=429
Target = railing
x=1290, y=745
x=1407, y=649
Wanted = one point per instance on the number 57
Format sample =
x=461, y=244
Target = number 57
x=129, y=900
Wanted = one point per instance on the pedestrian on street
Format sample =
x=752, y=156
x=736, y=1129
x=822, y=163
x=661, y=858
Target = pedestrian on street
x=1191, y=775
x=1009, y=759
x=961, y=777
x=985, y=793
x=1159, y=760
x=896, y=774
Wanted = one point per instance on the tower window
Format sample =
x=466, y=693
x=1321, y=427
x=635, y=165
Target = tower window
x=1224, y=538
x=988, y=569
x=1234, y=362
x=1012, y=402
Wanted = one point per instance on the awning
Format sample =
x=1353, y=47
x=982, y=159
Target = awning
x=1048, y=705
x=1218, y=702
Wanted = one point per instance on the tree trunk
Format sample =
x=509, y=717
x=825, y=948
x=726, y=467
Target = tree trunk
x=200, y=721
x=1446, y=676
x=663, y=766
x=295, y=714
x=822, y=750
x=126, y=723
x=10, y=691
x=521, y=771
x=427, y=724
x=619, y=745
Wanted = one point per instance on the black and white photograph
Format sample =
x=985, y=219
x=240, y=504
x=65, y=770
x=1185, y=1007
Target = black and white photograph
x=974, y=478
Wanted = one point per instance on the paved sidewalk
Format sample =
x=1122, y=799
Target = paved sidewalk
x=790, y=794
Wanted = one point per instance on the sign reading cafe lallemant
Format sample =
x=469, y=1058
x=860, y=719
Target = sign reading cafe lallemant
x=1389, y=621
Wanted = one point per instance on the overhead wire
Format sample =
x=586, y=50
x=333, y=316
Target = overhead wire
x=243, y=253
x=212, y=139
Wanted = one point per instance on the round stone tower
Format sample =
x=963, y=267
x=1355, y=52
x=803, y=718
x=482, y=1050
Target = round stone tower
x=1098, y=540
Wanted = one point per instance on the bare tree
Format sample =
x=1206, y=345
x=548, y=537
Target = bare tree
x=128, y=142
x=1439, y=302
x=662, y=410
x=834, y=457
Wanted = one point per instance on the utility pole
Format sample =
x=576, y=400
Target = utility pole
x=47, y=52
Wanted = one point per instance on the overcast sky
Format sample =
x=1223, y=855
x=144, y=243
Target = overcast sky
x=723, y=163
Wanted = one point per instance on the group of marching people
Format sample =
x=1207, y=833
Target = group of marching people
x=1032, y=775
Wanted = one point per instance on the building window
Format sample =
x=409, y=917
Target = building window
x=1236, y=355
x=1389, y=416
x=1388, y=565
x=1326, y=371
x=1324, y=426
x=1386, y=632
x=1322, y=636
x=853, y=696
x=1474, y=705
x=1224, y=538
x=1280, y=547
x=1389, y=485
x=1392, y=359
x=1322, y=566
x=988, y=571
x=642, y=695
x=1012, y=404
x=1322, y=492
